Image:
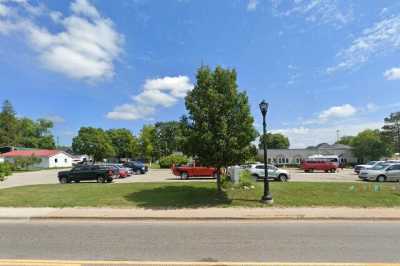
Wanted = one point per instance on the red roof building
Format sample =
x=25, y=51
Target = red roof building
x=27, y=153
x=49, y=158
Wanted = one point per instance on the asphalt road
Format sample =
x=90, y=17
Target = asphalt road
x=202, y=241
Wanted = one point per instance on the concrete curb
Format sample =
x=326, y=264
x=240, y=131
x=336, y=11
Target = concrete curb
x=205, y=214
x=204, y=219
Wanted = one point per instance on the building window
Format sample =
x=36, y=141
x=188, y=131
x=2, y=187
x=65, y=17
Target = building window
x=56, y=160
x=65, y=160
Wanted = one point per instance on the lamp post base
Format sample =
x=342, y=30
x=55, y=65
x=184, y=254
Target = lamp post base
x=267, y=199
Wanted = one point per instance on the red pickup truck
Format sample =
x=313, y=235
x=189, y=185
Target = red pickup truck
x=192, y=170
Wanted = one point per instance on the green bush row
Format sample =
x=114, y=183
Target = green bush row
x=168, y=161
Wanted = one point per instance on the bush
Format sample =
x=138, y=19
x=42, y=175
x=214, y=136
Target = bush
x=168, y=161
x=246, y=179
x=25, y=163
x=5, y=170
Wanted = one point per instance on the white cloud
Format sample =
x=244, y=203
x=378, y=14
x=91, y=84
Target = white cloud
x=164, y=92
x=85, y=48
x=301, y=137
x=252, y=5
x=56, y=119
x=381, y=38
x=315, y=11
x=342, y=111
x=392, y=74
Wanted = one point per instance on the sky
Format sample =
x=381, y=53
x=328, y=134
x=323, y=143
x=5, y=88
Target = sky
x=326, y=67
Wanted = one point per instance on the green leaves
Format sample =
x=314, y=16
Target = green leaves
x=368, y=145
x=94, y=142
x=219, y=123
x=275, y=141
x=23, y=131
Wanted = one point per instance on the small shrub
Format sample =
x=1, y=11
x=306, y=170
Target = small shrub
x=5, y=169
x=226, y=182
x=246, y=180
x=168, y=161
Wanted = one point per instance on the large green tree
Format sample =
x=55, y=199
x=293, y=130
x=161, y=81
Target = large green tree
x=8, y=125
x=391, y=131
x=124, y=143
x=24, y=131
x=147, y=139
x=345, y=140
x=219, y=122
x=94, y=142
x=168, y=138
x=274, y=141
x=369, y=145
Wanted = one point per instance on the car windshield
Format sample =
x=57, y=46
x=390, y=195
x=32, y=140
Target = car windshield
x=371, y=163
x=380, y=166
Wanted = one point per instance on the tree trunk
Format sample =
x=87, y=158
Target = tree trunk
x=219, y=185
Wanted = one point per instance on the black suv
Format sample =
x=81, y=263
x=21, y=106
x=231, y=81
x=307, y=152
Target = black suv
x=137, y=167
x=101, y=174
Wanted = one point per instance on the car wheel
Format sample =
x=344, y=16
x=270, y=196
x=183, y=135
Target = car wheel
x=381, y=178
x=283, y=178
x=63, y=180
x=109, y=180
x=77, y=181
x=101, y=179
x=326, y=171
x=333, y=170
x=138, y=172
x=184, y=176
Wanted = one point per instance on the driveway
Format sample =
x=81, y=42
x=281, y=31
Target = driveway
x=165, y=175
x=31, y=178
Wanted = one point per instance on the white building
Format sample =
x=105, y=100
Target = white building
x=295, y=156
x=49, y=158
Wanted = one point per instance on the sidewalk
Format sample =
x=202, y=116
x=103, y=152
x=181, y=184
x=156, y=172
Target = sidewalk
x=203, y=214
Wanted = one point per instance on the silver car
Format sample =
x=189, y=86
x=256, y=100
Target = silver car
x=381, y=173
x=257, y=171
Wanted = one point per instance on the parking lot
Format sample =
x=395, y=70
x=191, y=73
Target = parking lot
x=165, y=175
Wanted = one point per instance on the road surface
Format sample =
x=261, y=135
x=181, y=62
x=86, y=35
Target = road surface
x=165, y=175
x=202, y=241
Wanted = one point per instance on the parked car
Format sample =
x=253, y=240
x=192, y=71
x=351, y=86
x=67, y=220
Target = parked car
x=381, y=173
x=192, y=170
x=318, y=165
x=137, y=167
x=101, y=174
x=368, y=165
x=258, y=171
x=123, y=171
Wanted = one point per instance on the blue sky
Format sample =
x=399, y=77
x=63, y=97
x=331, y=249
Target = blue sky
x=323, y=65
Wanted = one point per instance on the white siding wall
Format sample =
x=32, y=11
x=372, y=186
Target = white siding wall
x=60, y=160
x=1, y=160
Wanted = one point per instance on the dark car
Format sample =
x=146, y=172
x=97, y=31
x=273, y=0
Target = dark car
x=137, y=167
x=101, y=174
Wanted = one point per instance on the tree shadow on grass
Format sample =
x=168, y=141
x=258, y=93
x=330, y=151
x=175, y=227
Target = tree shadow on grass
x=175, y=197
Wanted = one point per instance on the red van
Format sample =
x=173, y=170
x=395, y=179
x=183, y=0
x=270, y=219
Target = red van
x=319, y=165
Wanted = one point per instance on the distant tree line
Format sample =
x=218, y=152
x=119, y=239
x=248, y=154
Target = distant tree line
x=23, y=131
x=376, y=144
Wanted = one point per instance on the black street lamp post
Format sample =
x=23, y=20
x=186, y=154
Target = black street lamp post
x=267, y=197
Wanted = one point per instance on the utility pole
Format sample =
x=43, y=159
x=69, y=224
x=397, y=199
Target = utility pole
x=337, y=135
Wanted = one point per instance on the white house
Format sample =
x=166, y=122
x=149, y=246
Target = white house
x=49, y=158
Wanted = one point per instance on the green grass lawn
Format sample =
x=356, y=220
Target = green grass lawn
x=199, y=194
